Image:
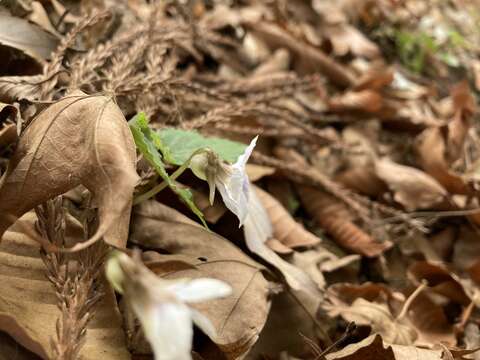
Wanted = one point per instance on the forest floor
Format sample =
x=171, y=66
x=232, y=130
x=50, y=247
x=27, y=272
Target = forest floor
x=248, y=179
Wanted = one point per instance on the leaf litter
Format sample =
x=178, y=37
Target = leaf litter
x=357, y=198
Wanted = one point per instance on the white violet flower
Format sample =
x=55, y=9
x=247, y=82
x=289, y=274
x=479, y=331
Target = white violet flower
x=161, y=305
x=230, y=180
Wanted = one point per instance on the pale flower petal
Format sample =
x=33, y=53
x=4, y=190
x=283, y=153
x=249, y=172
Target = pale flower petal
x=168, y=329
x=242, y=159
x=257, y=230
x=235, y=198
x=161, y=307
x=234, y=187
x=203, y=323
x=200, y=289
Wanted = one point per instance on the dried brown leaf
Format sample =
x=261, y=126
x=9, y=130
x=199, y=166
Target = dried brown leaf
x=8, y=135
x=431, y=148
x=464, y=106
x=379, y=317
x=334, y=217
x=368, y=101
x=238, y=318
x=430, y=321
x=7, y=112
x=29, y=38
x=80, y=139
x=345, y=38
x=278, y=62
x=412, y=188
x=285, y=228
x=319, y=260
x=288, y=324
x=211, y=213
x=373, y=348
x=311, y=58
x=40, y=17
x=10, y=349
x=363, y=180
x=28, y=303
x=257, y=231
x=256, y=172
x=278, y=246
x=440, y=280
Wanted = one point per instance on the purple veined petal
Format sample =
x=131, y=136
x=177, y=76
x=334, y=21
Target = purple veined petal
x=201, y=289
x=168, y=328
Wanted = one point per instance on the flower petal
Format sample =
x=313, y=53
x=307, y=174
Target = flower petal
x=242, y=159
x=203, y=323
x=234, y=193
x=257, y=230
x=200, y=289
x=168, y=329
x=114, y=272
x=235, y=188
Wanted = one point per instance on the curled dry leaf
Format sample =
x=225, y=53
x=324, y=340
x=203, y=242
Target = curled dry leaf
x=318, y=260
x=375, y=79
x=440, y=281
x=312, y=59
x=7, y=112
x=431, y=149
x=346, y=38
x=258, y=230
x=211, y=213
x=8, y=130
x=412, y=188
x=464, y=107
x=379, y=317
x=8, y=135
x=367, y=100
x=373, y=348
x=335, y=219
x=288, y=324
x=278, y=246
x=430, y=321
x=80, y=139
x=28, y=303
x=29, y=38
x=10, y=349
x=39, y=16
x=239, y=318
x=285, y=228
x=362, y=179
x=278, y=62
x=256, y=172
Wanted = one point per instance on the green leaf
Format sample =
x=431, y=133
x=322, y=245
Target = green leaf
x=149, y=142
x=146, y=141
x=179, y=145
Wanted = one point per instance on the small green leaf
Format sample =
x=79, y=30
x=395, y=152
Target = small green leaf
x=179, y=145
x=146, y=141
x=149, y=142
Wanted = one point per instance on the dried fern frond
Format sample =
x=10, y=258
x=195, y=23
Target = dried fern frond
x=52, y=69
x=74, y=278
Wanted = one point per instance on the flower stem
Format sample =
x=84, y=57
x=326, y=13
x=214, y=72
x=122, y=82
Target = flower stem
x=157, y=188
